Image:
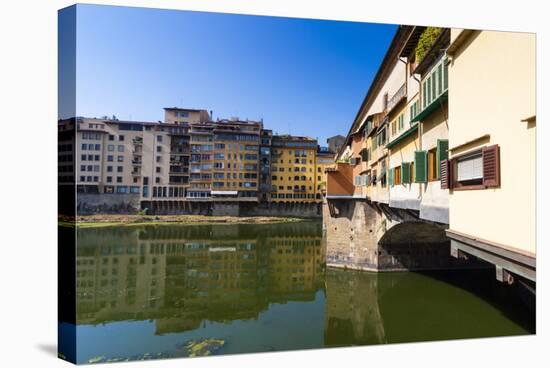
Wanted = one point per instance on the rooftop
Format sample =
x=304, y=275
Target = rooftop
x=184, y=109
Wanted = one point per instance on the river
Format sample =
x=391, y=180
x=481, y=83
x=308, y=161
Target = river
x=173, y=291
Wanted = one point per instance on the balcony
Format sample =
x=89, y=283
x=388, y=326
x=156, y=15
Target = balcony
x=136, y=162
x=397, y=97
x=137, y=141
x=178, y=170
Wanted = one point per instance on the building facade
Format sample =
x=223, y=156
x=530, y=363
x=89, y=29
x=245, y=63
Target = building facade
x=491, y=171
x=293, y=169
x=174, y=166
x=437, y=145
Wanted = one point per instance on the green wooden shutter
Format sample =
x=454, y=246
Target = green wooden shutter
x=391, y=177
x=406, y=172
x=420, y=166
x=442, y=153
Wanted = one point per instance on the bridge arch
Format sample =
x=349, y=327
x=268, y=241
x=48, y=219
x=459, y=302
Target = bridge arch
x=414, y=232
x=414, y=245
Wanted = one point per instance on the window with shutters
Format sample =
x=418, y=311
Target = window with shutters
x=435, y=83
x=478, y=169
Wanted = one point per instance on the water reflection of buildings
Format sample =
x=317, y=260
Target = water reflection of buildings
x=182, y=276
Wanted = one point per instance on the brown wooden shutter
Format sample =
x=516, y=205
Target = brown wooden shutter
x=491, y=166
x=445, y=171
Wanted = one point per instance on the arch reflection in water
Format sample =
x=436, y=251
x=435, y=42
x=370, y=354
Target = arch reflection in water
x=170, y=291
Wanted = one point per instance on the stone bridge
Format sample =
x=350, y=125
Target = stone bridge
x=373, y=236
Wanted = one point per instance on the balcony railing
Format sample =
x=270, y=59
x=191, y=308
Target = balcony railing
x=397, y=97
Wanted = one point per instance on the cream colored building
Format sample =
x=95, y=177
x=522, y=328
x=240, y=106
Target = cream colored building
x=492, y=138
x=110, y=158
x=178, y=115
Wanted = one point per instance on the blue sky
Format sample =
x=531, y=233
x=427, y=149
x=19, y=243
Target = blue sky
x=304, y=77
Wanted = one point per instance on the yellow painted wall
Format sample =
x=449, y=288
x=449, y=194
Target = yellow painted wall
x=491, y=89
x=285, y=178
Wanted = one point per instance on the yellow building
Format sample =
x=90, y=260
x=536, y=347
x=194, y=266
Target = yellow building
x=324, y=161
x=492, y=156
x=293, y=169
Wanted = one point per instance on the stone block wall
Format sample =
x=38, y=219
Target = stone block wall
x=93, y=203
x=368, y=236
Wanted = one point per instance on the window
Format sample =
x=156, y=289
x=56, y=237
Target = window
x=109, y=179
x=119, y=169
x=122, y=189
x=159, y=158
x=120, y=158
x=413, y=110
x=120, y=148
x=470, y=168
x=110, y=147
x=110, y=158
x=119, y=179
x=159, y=148
x=397, y=175
x=121, y=138
x=111, y=137
x=157, y=180
x=159, y=138
x=432, y=165
x=157, y=169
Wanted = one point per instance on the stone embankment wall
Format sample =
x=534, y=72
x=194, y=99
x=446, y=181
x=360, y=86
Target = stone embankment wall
x=94, y=203
x=130, y=203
